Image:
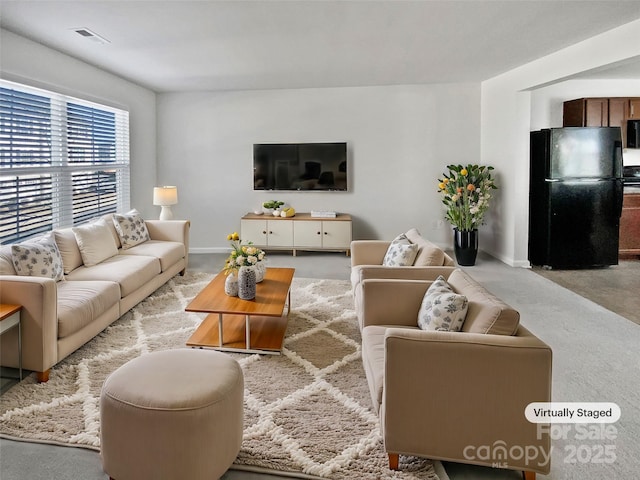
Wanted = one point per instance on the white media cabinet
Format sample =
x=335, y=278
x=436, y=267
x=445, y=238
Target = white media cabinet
x=300, y=232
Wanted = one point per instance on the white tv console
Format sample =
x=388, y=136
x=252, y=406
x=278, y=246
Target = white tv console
x=300, y=232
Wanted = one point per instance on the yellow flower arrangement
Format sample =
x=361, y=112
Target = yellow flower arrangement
x=466, y=191
x=241, y=255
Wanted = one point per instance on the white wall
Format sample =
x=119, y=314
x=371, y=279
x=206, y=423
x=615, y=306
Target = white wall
x=34, y=64
x=506, y=120
x=399, y=141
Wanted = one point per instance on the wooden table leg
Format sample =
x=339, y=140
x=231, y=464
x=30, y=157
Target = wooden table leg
x=247, y=334
x=220, y=330
x=20, y=349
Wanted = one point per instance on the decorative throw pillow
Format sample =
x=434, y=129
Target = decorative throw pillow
x=69, y=251
x=131, y=229
x=95, y=242
x=429, y=254
x=442, y=309
x=38, y=258
x=401, y=252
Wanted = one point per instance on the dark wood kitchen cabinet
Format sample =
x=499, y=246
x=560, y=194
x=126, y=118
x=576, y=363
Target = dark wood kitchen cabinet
x=586, y=112
x=619, y=113
x=600, y=112
x=634, y=108
x=630, y=225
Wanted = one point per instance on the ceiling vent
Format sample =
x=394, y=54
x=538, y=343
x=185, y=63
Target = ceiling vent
x=86, y=33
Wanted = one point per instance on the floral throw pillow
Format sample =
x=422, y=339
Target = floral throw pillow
x=401, y=252
x=38, y=258
x=442, y=309
x=131, y=229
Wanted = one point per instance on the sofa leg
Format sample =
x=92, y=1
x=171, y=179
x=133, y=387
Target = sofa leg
x=394, y=460
x=43, y=377
x=528, y=475
x=184, y=270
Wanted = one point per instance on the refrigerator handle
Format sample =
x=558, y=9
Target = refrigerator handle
x=619, y=196
x=618, y=157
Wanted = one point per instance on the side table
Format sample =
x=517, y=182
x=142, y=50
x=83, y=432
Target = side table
x=9, y=318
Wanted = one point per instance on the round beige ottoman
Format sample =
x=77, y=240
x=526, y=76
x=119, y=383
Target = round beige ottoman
x=173, y=414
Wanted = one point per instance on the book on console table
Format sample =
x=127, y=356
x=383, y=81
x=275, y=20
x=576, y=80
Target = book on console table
x=323, y=214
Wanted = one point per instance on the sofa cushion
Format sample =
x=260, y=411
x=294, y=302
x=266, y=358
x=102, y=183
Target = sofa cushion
x=95, y=242
x=130, y=271
x=131, y=229
x=355, y=275
x=38, y=258
x=6, y=261
x=401, y=252
x=167, y=252
x=80, y=303
x=442, y=309
x=69, y=250
x=108, y=218
x=429, y=254
x=373, y=360
x=486, y=312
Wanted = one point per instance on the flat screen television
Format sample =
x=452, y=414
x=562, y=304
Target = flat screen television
x=300, y=166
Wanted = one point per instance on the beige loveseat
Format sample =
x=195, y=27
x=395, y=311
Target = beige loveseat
x=455, y=396
x=58, y=317
x=367, y=257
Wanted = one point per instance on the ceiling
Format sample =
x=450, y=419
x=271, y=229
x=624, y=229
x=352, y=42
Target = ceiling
x=228, y=45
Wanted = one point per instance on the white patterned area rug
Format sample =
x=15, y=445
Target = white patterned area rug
x=307, y=411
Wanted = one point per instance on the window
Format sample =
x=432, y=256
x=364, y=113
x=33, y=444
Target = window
x=63, y=161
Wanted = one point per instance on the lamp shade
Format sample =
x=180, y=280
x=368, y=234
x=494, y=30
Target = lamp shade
x=166, y=195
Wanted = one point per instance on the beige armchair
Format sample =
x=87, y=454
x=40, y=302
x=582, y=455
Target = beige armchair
x=372, y=252
x=454, y=396
x=367, y=257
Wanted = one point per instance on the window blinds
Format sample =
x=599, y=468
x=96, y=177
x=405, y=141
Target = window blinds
x=63, y=161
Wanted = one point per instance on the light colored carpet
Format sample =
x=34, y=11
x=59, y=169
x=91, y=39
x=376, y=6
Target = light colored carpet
x=595, y=359
x=615, y=287
x=306, y=411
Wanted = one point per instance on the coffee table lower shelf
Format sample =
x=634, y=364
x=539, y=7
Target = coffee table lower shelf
x=266, y=334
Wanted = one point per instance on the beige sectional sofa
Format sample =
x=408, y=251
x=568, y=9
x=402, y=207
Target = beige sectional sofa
x=455, y=396
x=58, y=317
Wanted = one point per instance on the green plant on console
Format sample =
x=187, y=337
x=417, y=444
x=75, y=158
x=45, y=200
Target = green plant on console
x=273, y=204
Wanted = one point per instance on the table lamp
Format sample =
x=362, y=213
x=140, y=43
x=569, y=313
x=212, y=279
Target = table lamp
x=165, y=196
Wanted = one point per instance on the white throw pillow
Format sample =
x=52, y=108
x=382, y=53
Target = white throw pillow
x=442, y=309
x=95, y=242
x=38, y=258
x=131, y=229
x=401, y=252
x=69, y=251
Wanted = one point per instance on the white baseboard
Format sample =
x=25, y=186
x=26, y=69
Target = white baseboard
x=209, y=250
x=510, y=261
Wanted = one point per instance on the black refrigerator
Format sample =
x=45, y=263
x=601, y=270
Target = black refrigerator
x=575, y=197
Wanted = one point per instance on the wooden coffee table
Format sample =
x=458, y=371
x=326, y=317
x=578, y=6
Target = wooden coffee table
x=248, y=326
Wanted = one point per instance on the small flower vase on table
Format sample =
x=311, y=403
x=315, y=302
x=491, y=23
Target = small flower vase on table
x=243, y=260
x=261, y=270
x=247, y=283
x=231, y=285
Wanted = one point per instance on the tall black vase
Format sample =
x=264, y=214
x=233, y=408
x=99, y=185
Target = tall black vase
x=465, y=246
